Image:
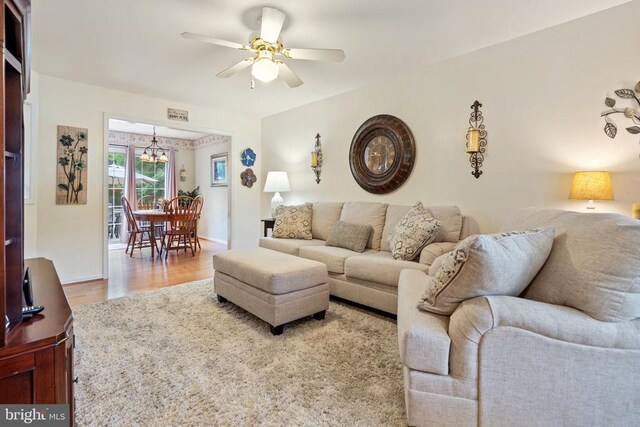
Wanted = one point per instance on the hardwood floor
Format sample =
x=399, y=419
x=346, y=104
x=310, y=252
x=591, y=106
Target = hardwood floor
x=128, y=275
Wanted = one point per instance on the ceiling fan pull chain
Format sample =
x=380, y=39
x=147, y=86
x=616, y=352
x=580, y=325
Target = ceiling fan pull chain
x=253, y=83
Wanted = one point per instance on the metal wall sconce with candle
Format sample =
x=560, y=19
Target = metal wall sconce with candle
x=316, y=159
x=476, y=139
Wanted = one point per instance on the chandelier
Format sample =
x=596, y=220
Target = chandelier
x=150, y=154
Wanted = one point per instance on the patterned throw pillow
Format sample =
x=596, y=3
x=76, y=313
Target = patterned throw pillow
x=494, y=264
x=412, y=233
x=349, y=236
x=293, y=222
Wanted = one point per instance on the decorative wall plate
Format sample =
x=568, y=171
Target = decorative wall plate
x=248, y=157
x=248, y=177
x=382, y=154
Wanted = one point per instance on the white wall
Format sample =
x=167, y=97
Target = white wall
x=214, y=220
x=542, y=96
x=72, y=236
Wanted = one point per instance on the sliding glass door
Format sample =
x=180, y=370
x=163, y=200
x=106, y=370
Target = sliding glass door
x=150, y=181
x=116, y=162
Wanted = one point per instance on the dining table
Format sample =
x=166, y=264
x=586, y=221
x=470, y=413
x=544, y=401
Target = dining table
x=152, y=216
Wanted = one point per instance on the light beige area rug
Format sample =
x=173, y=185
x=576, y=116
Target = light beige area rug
x=177, y=357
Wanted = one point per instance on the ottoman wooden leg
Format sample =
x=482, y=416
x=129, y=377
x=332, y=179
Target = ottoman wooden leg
x=320, y=315
x=277, y=330
x=221, y=299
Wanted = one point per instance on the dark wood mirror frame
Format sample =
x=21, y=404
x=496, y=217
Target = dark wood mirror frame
x=404, y=149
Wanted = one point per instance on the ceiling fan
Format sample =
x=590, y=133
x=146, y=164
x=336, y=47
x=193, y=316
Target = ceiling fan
x=266, y=64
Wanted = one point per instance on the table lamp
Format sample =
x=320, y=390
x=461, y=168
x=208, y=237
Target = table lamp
x=591, y=185
x=277, y=181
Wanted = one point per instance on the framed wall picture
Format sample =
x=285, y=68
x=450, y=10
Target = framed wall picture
x=219, y=170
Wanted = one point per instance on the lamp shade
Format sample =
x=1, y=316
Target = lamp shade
x=276, y=181
x=591, y=185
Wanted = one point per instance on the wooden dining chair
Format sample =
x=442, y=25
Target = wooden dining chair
x=200, y=201
x=151, y=202
x=136, y=231
x=148, y=202
x=181, y=225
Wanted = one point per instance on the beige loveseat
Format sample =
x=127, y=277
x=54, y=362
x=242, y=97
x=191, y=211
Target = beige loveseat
x=371, y=277
x=566, y=352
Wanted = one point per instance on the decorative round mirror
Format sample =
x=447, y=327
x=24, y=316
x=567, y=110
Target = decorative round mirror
x=382, y=154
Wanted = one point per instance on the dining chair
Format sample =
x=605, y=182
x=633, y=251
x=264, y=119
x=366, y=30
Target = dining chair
x=181, y=225
x=147, y=202
x=136, y=231
x=150, y=202
x=200, y=201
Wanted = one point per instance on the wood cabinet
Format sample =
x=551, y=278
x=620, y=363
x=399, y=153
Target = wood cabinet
x=14, y=15
x=36, y=356
x=36, y=362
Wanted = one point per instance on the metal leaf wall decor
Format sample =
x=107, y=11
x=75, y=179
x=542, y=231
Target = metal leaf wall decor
x=629, y=112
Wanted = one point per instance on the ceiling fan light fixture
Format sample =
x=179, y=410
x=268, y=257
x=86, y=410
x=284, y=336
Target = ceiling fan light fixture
x=264, y=69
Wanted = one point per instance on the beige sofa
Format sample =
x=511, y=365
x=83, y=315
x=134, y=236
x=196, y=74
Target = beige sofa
x=567, y=352
x=369, y=278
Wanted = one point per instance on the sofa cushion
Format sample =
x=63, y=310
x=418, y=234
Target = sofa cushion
x=287, y=246
x=325, y=215
x=594, y=265
x=293, y=222
x=413, y=232
x=366, y=213
x=379, y=267
x=450, y=223
x=496, y=264
x=349, y=236
x=434, y=250
x=449, y=216
x=331, y=256
x=423, y=338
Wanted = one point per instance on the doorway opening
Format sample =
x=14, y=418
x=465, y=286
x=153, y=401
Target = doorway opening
x=190, y=166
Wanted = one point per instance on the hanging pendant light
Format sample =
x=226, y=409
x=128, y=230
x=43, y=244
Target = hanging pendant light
x=151, y=153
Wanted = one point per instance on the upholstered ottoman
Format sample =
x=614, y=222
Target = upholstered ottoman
x=276, y=287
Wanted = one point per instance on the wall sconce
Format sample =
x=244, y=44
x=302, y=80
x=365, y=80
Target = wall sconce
x=591, y=185
x=316, y=159
x=183, y=174
x=476, y=139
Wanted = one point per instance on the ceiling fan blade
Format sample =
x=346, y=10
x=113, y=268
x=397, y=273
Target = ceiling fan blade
x=333, y=55
x=272, y=22
x=235, y=68
x=219, y=42
x=287, y=75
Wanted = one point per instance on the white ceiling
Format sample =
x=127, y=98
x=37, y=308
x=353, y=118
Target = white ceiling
x=147, y=129
x=135, y=45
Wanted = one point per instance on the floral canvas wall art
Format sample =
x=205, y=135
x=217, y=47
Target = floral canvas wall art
x=72, y=165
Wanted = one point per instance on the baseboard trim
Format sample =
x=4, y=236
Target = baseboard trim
x=78, y=280
x=211, y=239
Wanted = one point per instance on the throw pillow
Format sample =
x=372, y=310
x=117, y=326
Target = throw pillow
x=293, y=222
x=349, y=236
x=495, y=264
x=412, y=233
